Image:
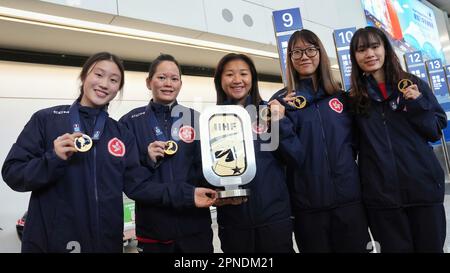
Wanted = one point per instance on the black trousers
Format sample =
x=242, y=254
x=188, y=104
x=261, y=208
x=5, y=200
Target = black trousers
x=271, y=238
x=411, y=229
x=196, y=243
x=338, y=230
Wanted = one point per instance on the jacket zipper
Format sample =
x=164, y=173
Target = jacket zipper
x=326, y=147
x=97, y=217
x=383, y=115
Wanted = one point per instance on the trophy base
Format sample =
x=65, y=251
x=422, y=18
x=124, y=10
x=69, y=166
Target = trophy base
x=234, y=193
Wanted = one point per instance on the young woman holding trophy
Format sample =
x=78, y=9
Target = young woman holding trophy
x=259, y=223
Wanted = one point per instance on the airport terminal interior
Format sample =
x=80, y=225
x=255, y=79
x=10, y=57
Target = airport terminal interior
x=44, y=43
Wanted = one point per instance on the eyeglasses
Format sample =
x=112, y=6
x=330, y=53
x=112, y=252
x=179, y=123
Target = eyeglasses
x=298, y=53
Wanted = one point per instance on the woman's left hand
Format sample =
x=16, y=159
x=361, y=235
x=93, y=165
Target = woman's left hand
x=412, y=92
x=277, y=110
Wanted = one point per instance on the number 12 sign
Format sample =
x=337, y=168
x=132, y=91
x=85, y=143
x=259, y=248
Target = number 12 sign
x=415, y=65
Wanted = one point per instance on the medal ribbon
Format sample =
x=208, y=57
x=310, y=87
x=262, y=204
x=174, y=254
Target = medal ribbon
x=76, y=125
x=160, y=135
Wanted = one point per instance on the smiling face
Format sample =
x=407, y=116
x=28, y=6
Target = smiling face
x=370, y=57
x=101, y=84
x=305, y=66
x=165, y=83
x=237, y=80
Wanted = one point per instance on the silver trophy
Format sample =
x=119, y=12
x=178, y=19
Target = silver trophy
x=228, y=156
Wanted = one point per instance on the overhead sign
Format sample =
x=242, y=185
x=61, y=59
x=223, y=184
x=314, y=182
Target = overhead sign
x=285, y=23
x=447, y=73
x=437, y=78
x=436, y=75
x=287, y=20
x=415, y=65
x=342, y=38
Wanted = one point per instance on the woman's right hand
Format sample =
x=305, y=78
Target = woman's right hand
x=156, y=150
x=204, y=197
x=289, y=98
x=64, y=145
x=277, y=110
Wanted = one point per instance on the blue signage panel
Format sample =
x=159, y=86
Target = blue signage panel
x=447, y=73
x=437, y=78
x=282, y=42
x=439, y=86
x=287, y=20
x=342, y=38
x=285, y=23
x=415, y=65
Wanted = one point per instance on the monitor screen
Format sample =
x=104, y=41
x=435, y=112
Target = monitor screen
x=410, y=25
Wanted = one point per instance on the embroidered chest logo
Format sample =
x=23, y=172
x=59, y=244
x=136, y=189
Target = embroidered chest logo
x=116, y=147
x=187, y=134
x=336, y=105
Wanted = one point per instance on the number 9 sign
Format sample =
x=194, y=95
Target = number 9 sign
x=287, y=20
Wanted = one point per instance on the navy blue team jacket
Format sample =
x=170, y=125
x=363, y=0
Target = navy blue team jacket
x=269, y=198
x=180, y=173
x=397, y=164
x=75, y=204
x=322, y=172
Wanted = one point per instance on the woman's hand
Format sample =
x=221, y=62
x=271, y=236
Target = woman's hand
x=289, y=98
x=64, y=146
x=412, y=92
x=204, y=197
x=277, y=110
x=156, y=150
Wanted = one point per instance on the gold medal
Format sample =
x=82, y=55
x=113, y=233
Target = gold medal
x=299, y=102
x=404, y=84
x=83, y=143
x=171, y=147
x=264, y=114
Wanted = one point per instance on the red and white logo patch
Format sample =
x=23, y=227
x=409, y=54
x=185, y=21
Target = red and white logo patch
x=187, y=134
x=336, y=105
x=259, y=129
x=116, y=147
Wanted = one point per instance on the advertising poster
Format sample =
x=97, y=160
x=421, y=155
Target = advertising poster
x=410, y=25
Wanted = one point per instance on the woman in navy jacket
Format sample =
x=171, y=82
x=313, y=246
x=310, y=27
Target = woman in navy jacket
x=261, y=222
x=322, y=173
x=397, y=115
x=169, y=227
x=76, y=161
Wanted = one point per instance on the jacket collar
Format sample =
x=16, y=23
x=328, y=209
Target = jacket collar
x=161, y=108
x=305, y=88
x=89, y=112
x=396, y=102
